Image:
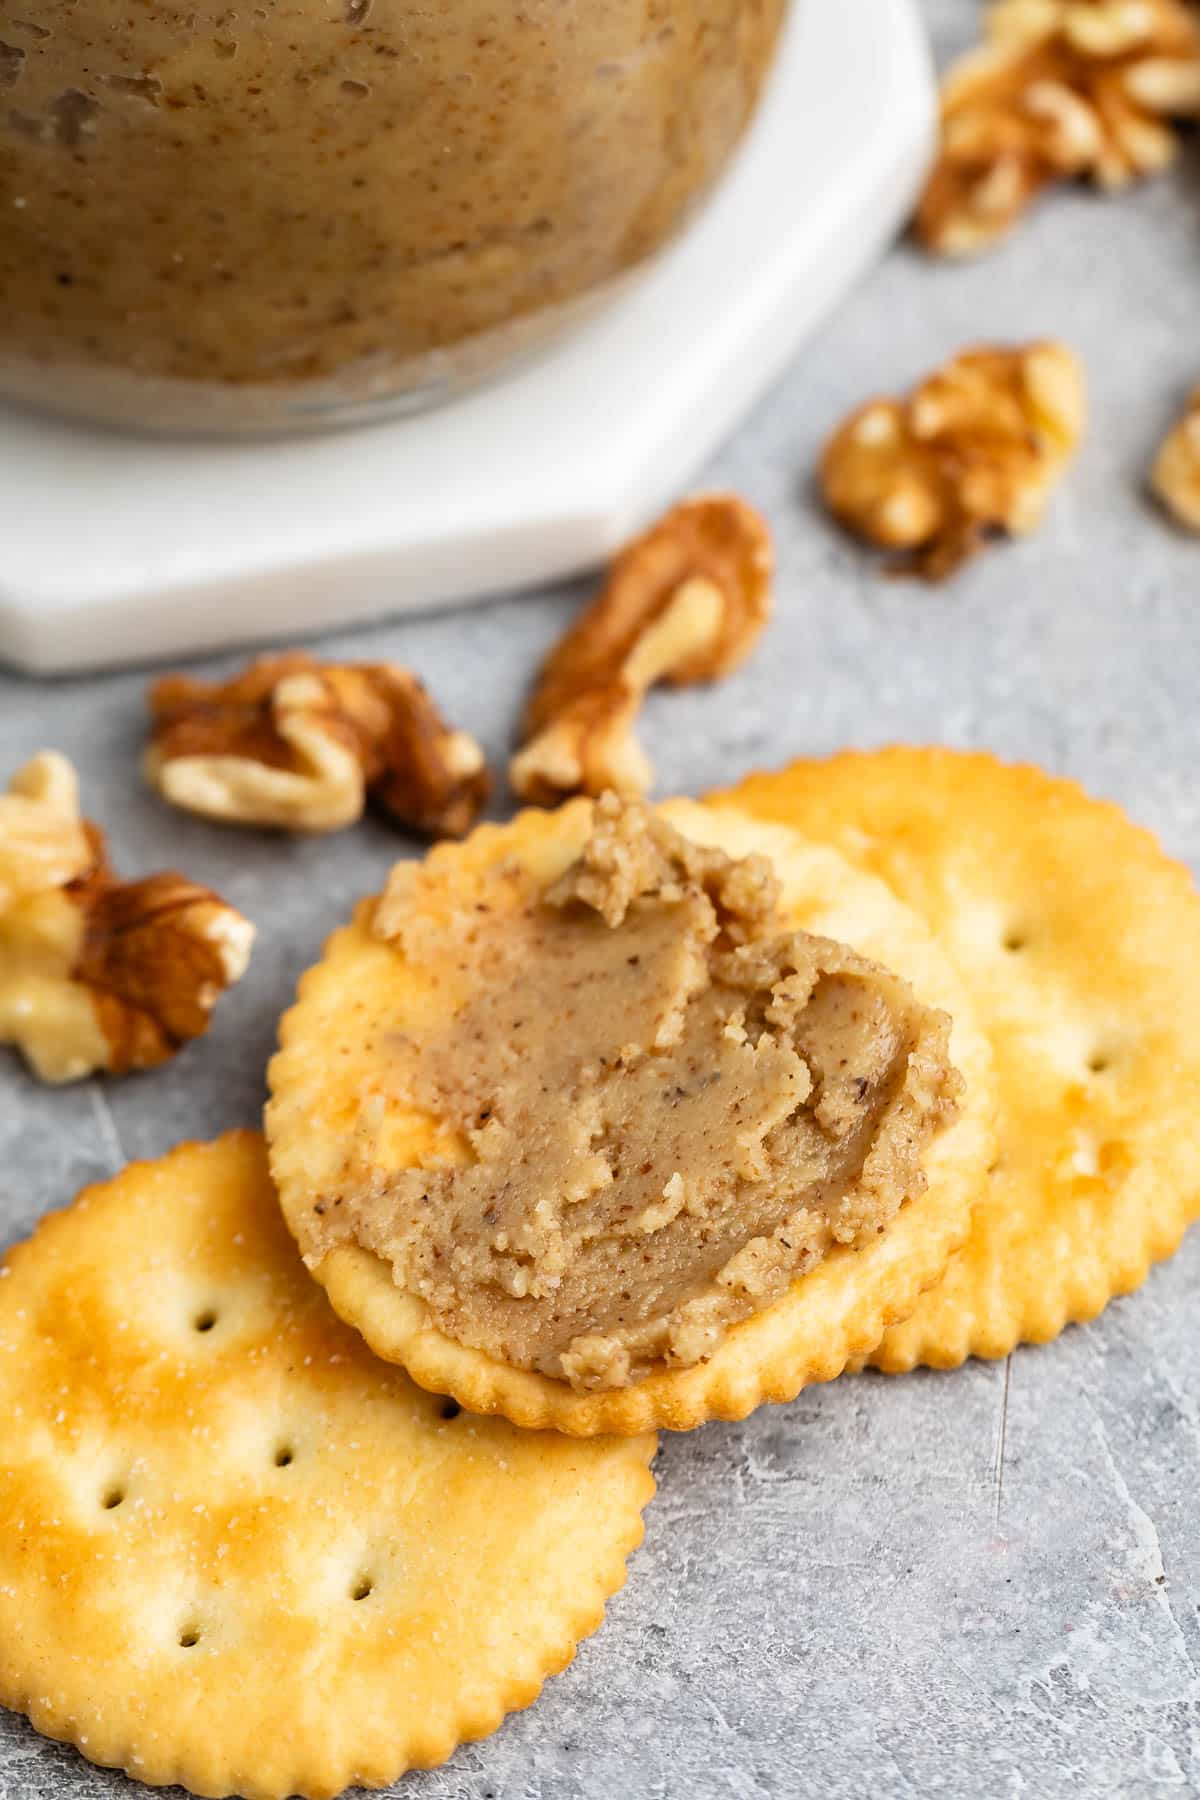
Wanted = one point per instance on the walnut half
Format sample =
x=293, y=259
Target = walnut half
x=975, y=450
x=301, y=745
x=685, y=602
x=98, y=973
x=1175, y=476
x=1061, y=89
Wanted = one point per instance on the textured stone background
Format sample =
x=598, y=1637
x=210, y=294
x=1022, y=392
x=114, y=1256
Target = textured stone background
x=981, y=1583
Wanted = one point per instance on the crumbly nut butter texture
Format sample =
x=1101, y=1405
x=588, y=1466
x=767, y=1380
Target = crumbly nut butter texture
x=665, y=1106
x=1078, y=941
x=1060, y=90
x=96, y=972
x=303, y=746
x=974, y=452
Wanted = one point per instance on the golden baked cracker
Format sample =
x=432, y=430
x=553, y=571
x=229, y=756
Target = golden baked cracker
x=237, y=1551
x=1079, y=943
x=328, y=1107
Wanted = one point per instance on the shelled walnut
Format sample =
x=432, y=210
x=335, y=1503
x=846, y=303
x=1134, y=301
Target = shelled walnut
x=1175, y=476
x=685, y=602
x=975, y=450
x=98, y=973
x=1060, y=89
x=43, y=841
x=303, y=745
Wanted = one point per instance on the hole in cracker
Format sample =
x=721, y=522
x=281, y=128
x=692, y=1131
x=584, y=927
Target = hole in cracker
x=284, y=1456
x=362, y=1587
x=1014, y=939
x=449, y=1409
x=1114, y=1159
x=112, y=1497
x=1092, y=1159
x=204, y=1321
x=1099, y=1061
x=189, y=1637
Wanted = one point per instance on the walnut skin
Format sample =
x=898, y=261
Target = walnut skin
x=1061, y=89
x=685, y=602
x=974, y=451
x=96, y=973
x=303, y=746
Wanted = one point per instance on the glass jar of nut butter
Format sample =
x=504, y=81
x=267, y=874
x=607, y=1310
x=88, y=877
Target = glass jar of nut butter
x=256, y=217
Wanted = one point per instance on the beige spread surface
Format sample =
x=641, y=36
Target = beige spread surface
x=1079, y=943
x=238, y=1552
x=669, y=1106
x=343, y=1127
x=273, y=194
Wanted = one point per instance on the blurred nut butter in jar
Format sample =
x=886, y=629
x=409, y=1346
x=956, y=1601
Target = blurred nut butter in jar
x=253, y=217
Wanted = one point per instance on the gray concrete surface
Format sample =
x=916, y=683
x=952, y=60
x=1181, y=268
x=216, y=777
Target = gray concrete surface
x=985, y=1583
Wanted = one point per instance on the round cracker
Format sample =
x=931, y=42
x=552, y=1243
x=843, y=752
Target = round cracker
x=1079, y=943
x=237, y=1551
x=327, y=1107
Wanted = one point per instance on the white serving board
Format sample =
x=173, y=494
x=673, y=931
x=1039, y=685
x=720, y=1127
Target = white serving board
x=118, y=549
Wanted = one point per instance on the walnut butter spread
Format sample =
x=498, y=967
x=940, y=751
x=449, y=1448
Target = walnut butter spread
x=208, y=206
x=668, y=1105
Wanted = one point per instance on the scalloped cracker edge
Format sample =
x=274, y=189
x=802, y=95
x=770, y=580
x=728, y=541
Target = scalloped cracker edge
x=1078, y=941
x=838, y=1311
x=236, y=1551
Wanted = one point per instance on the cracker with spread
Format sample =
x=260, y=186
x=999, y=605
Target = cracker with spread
x=1078, y=942
x=612, y=1118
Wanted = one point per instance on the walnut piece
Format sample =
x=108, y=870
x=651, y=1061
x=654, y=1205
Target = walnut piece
x=1175, y=476
x=975, y=450
x=1060, y=89
x=97, y=973
x=685, y=602
x=302, y=745
x=42, y=840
